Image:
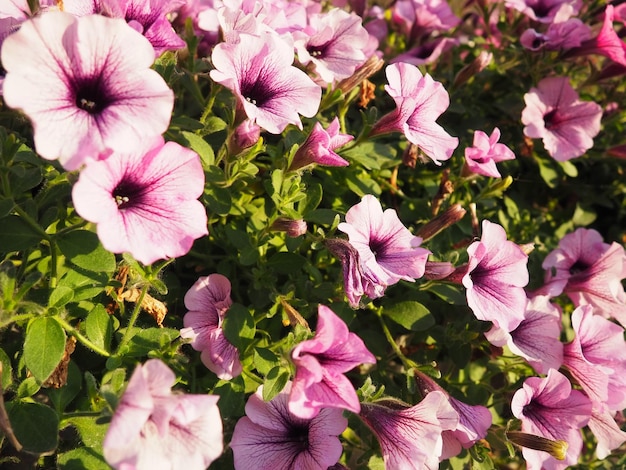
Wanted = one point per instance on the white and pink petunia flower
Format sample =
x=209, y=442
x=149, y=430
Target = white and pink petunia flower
x=145, y=202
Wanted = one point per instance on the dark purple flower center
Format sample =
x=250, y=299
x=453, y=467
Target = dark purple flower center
x=578, y=267
x=91, y=95
x=378, y=247
x=318, y=51
x=552, y=119
x=129, y=193
x=257, y=92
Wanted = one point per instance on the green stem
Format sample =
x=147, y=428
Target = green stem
x=80, y=337
x=29, y=220
x=133, y=319
x=253, y=376
x=71, y=228
x=14, y=318
x=405, y=361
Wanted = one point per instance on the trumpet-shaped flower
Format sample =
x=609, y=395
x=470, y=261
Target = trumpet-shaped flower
x=258, y=70
x=320, y=366
x=388, y=251
x=555, y=114
x=410, y=436
x=482, y=157
x=606, y=430
x=86, y=85
x=208, y=302
x=546, y=11
x=319, y=147
x=419, y=18
x=145, y=202
x=419, y=102
x=270, y=437
x=154, y=428
x=548, y=407
x=495, y=278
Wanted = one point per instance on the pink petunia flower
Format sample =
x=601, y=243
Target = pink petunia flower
x=546, y=11
x=420, y=101
x=334, y=43
x=486, y=152
x=555, y=114
x=269, y=437
x=258, y=70
x=320, y=366
x=426, y=53
x=536, y=338
x=548, y=407
x=495, y=277
x=419, y=18
x=596, y=358
x=559, y=36
x=589, y=271
x=86, y=85
x=388, y=251
x=155, y=428
x=606, y=430
x=208, y=302
x=145, y=202
x=410, y=436
x=319, y=147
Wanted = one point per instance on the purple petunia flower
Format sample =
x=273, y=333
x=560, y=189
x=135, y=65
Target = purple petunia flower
x=419, y=18
x=495, y=278
x=269, y=437
x=482, y=157
x=145, y=202
x=555, y=114
x=86, y=85
x=320, y=366
x=258, y=70
x=548, y=407
x=419, y=102
x=155, y=428
x=208, y=302
x=546, y=11
x=410, y=436
x=559, y=36
x=388, y=251
x=319, y=147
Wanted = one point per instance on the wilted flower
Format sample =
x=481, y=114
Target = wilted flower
x=482, y=157
x=320, y=366
x=154, y=428
x=269, y=437
x=319, y=147
x=145, y=202
x=86, y=85
x=208, y=302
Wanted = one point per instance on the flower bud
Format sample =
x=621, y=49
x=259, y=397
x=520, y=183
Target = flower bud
x=293, y=228
x=478, y=65
x=449, y=217
x=557, y=449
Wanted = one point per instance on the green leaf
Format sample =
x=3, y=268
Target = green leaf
x=275, y=381
x=28, y=387
x=6, y=206
x=85, y=284
x=61, y=397
x=238, y=326
x=286, y=263
x=569, y=169
x=82, y=458
x=411, y=315
x=150, y=339
x=60, y=296
x=44, y=347
x=213, y=124
x=36, y=426
x=265, y=360
x=7, y=371
x=314, y=195
x=201, y=147
x=16, y=234
x=231, y=392
x=99, y=327
x=583, y=217
x=219, y=200
x=82, y=248
x=90, y=429
x=548, y=174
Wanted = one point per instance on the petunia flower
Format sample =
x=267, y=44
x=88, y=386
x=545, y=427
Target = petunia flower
x=495, y=277
x=559, y=36
x=320, y=366
x=208, y=302
x=555, y=114
x=419, y=102
x=258, y=70
x=155, y=428
x=606, y=431
x=145, y=202
x=410, y=436
x=86, y=85
x=548, y=407
x=482, y=157
x=589, y=271
x=270, y=437
x=319, y=147
x=417, y=19
x=426, y=53
x=388, y=251
x=596, y=358
x=546, y=11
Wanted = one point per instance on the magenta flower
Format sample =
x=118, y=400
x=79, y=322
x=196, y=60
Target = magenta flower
x=410, y=436
x=420, y=101
x=320, y=366
x=145, y=202
x=334, y=43
x=495, y=278
x=388, y=251
x=269, y=437
x=419, y=18
x=486, y=152
x=559, y=36
x=555, y=114
x=596, y=358
x=546, y=11
x=589, y=271
x=548, y=407
x=155, y=428
x=208, y=302
x=86, y=85
x=536, y=338
x=258, y=70
x=319, y=147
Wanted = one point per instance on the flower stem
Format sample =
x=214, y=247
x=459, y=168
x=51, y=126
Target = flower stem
x=133, y=319
x=80, y=337
x=405, y=361
x=15, y=318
